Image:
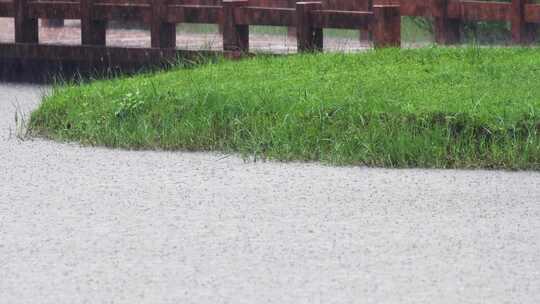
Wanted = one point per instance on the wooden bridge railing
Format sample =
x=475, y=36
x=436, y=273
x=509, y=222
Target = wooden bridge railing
x=234, y=15
x=382, y=18
x=449, y=14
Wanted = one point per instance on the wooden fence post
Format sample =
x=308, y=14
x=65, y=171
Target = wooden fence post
x=93, y=32
x=26, y=28
x=522, y=32
x=162, y=33
x=291, y=30
x=235, y=36
x=447, y=31
x=308, y=37
x=387, y=27
x=363, y=35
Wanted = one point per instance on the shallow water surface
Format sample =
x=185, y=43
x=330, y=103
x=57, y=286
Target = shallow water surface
x=93, y=225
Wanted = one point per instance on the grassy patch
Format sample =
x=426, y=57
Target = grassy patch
x=433, y=107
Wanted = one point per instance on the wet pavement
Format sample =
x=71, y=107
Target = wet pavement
x=94, y=225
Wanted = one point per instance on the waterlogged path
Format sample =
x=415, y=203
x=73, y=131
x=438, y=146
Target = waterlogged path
x=91, y=225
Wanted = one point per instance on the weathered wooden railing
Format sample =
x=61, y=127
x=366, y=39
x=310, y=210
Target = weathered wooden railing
x=380, y=17
x=449, y=14
x=235, y=16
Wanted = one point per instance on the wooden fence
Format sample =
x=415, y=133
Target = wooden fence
x=235, y=17
x=448, y=15
x=381, y=18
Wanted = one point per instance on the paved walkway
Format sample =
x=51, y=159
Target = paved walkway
x=92, y=225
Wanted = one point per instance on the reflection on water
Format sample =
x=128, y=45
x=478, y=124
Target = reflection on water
x=16, y=103
x=7, y=32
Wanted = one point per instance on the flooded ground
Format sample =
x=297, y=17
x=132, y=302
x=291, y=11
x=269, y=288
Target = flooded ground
x=93, y=225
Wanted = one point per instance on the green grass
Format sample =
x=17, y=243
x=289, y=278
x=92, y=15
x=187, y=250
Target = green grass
x=432, y=107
